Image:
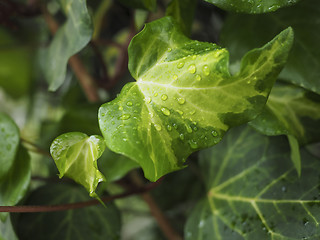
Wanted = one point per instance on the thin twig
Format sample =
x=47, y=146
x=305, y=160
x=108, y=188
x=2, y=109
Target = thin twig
x=86, y=81
x=155, y=210
x=70, y=206
x=35, y=148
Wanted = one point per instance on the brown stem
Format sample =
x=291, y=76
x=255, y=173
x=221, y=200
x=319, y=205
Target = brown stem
x=35, y=148
x=69, y=206
x=86, y=81
x=161, y=219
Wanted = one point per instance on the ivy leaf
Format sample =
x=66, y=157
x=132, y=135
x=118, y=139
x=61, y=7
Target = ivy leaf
x=95, y=222
x=141, y=4
x=290, y=111
x=243, y=32
x=184, y=98
x=183, y=12
x=75, y=155
x=254, y=193
x=252, y=6
x=9, y=142
x=14, y=185
x=69, y=39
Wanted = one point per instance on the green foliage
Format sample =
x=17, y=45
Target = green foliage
x=88, y=223
x=303, y=66
x=272, y=203
x=162, y=118
x=252, y=6
x=69, y=39
x=165, y=99
x=75, y=155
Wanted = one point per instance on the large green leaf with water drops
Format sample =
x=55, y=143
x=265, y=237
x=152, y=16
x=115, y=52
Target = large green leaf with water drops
x=69, y=39
x=252, y=6
x=254, y=193
x=95, y=222
x=75, y=155
x=184, y=98
x=9, y=142
x=243, y=32
x=183, y=12
x=14, y=185
x=292, y=111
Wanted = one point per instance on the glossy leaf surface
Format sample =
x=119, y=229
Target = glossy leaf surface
x=243, y=32
x=68, y=40
x=14, y=185
x=290, y=111
x=184, y=98
x=183, y=12
x=254, y=193
x=141, y=4
x=96, y=222
x=9, y=141
x=252, y=6
x=75, y=155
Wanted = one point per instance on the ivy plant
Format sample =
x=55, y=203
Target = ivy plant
x=168, y=119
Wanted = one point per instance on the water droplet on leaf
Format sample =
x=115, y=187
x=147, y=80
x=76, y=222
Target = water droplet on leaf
x=193, y=144
x=156, y=94
x=180, y=65
x=189, y=129
x=169, y=49
x=164, y=97
x=206, y=70
x=125, y=116
x=214, y=133
x=165, y=111
x=169, y=127
x=181, y=136
x=198, y=77
x=148, y=100
x=192, y=68
x=158, y=127
x=181, y=100
x=129, y=103
x=120, y=108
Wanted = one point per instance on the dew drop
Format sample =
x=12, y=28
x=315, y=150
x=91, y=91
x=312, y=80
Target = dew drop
x=192, y=68
x=180, y=112
x=129, y=103
x=175, y=77
x=181, y=100
x=120, y=108
x=102, y=114
x=164, y=97
x=148, y=100
x=165, y=111
x=175, y=126
x=198, y=77
x=125, y=116
x=206, y=70
x=156, y=94
x=169, y=49
x=193, y=144
x=214, y=133
x=180, y=65
x=151, y=114
x=169, y=127
x=189, y=129
x=158, y=127
x=181, y=136
x=194, y=57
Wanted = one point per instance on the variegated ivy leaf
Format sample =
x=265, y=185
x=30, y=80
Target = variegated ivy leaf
x=184, y=98
x=75, y=155
x=252, y=6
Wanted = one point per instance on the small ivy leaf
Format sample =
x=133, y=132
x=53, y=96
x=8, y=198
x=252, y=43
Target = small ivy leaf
x=9, y=142
x=69, y=39
x=75, y=155
x=184, y=98
x=292, y=111
x=252, y=6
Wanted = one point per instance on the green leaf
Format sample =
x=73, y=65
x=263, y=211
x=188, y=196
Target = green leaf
x=183, y=12
x=69, y=39
x=184, y=98
x=16, y=83
x=14, y=185
x=75, y=155
x=243, y=32
x=252, y=6
x=6, y=230
x=141, y=4
x=290, y=111
x=96, y=222
x=9, y=142
x=254, y=193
